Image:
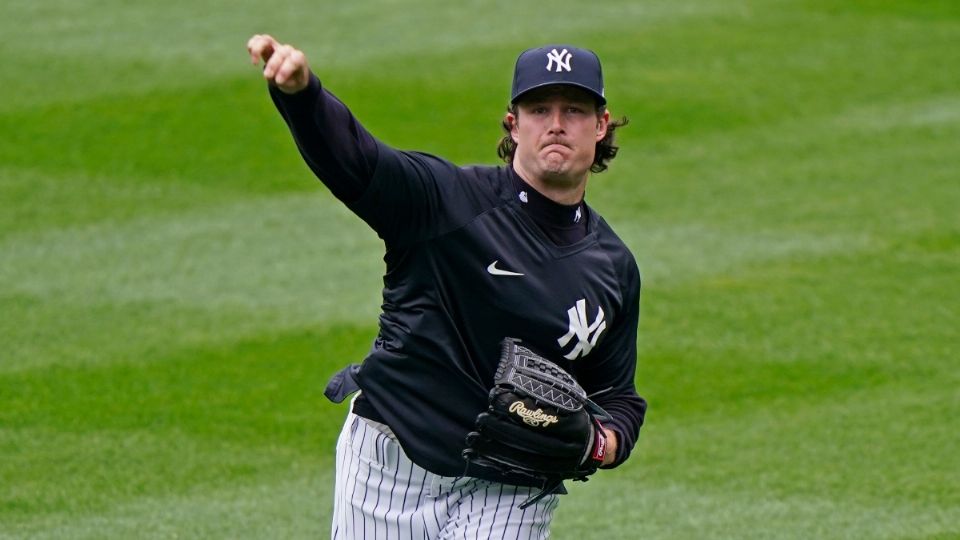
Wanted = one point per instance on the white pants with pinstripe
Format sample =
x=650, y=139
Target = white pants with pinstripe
x=381, y=494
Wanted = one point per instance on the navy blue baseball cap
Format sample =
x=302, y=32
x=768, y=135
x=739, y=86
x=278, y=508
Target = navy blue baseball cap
x=558, y=64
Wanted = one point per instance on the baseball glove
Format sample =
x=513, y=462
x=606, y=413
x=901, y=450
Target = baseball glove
x=539, y=423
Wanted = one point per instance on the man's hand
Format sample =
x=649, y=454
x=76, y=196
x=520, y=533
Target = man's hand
x=284, y=66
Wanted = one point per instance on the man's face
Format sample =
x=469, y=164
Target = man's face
x=556, y=129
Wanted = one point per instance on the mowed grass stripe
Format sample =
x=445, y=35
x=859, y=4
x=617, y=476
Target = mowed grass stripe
x=877, y=445
x=237, y=391
x=831, y=174
x=85, y=438
x=875, y=463
x=36, y=200
x=42, y=334
x=772, y=63
x=115, y=48
x=59, y=472
x=675, y=510
x=191, y=258
x=225, y=137
x=287, y=503
x=891, y=309
x=124, y=291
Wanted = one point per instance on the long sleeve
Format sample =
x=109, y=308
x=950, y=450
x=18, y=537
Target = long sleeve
x=626, y=407
x=334, y=145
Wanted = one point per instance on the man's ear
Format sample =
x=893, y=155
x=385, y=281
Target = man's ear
x=511, y=120
x=602, y=121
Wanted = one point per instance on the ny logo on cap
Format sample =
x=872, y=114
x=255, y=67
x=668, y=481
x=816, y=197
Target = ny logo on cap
x=562, y=59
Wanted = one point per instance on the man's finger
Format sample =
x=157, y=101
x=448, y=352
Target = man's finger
x=253, y=48
x=291, y=67
x=276, y=60
x=261, y=46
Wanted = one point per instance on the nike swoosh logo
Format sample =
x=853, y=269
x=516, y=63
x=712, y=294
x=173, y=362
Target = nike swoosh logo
x=498, y=272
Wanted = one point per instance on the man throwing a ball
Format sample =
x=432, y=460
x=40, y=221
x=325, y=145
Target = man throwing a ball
x=486, y=267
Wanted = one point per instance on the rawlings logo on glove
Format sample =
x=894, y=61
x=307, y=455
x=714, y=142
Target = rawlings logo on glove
x=534, y=418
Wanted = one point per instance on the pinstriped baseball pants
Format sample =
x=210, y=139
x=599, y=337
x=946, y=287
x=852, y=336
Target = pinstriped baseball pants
x=380, y=494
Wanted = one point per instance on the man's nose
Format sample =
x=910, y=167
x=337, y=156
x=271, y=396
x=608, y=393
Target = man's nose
x=556, y=121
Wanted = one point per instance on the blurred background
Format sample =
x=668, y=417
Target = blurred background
x=176, y=287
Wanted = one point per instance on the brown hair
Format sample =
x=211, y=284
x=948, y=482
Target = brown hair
x=604, y=152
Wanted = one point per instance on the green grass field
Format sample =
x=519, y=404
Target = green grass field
x=176, y=288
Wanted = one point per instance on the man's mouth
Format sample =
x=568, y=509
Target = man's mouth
x=550, y=144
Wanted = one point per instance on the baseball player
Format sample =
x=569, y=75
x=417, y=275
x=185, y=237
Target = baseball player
x=474, y=255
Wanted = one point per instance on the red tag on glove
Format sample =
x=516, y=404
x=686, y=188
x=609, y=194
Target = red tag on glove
x=599, y=442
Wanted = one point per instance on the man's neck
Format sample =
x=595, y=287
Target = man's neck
x=558, y=190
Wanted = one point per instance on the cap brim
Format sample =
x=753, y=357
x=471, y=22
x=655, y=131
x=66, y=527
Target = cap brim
x=600, y=99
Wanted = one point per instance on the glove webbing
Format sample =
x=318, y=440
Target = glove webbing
x=522, y=368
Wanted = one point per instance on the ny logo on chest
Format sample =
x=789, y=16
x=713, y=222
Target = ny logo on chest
x=586, y=333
